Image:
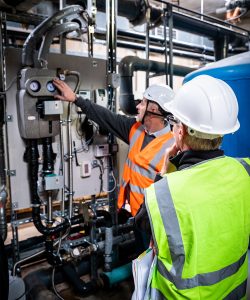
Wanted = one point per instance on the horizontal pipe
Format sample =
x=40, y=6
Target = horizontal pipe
x=127, y=66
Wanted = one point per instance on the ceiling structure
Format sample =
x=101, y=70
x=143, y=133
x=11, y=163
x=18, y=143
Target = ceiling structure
x=215, y=8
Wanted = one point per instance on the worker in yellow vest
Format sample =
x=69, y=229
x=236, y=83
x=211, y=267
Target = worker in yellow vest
x=200, y=214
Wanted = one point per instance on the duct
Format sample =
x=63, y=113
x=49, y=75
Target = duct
x=135, y=11
x=35, y=36
x=127, y=66
x=48, y=38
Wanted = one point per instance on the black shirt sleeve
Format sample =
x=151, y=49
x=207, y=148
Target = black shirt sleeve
x=117, y=124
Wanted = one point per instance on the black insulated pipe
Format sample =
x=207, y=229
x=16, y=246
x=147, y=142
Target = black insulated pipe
x=31, y=156
x=127, y=66
x=82, y=287
x=48, y=156
x=107, y=217
x=220, y=48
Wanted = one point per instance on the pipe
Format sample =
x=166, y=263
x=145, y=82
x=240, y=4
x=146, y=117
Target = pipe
x=48, y=38
x=39, y=282
x=83, y=288
x=31, y=156
x=127, y=66
x=135, y=11
x=3, y=222
x=108, y=249
x=117, y=275
x=48, y=156
x=220, y=48
x=35, y=36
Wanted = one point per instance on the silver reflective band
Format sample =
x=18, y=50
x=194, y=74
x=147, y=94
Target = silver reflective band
x=204, y=279
x=244, y=164
x=151, y=171
x=156, y=294
x=238, y=293
x=136, y=189
x=135, y=136
x=176, y=247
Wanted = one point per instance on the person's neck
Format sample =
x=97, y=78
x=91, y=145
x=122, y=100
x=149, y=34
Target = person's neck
x=153, y=127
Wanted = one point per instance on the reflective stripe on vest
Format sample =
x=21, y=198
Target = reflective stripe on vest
x=142, y=165
x=175, y=245
x=244, y=164
x=238, y=293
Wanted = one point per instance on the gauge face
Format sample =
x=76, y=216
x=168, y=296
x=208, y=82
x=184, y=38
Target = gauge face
x=35, y=86
x=50, y=86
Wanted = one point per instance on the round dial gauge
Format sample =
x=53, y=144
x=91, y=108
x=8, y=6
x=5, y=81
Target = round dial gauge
x=34, y=86
x=50, y=86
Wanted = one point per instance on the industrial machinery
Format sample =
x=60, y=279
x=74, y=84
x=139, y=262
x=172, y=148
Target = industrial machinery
x=59, y=170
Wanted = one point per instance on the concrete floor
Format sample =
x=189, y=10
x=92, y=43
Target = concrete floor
x=122, y=291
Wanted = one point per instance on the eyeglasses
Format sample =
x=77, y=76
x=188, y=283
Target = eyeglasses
x=173, y=120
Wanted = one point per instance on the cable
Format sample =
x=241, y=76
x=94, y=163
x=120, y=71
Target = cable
x=53, y=284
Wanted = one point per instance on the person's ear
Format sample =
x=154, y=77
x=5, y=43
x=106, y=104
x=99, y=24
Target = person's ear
x=181, y=131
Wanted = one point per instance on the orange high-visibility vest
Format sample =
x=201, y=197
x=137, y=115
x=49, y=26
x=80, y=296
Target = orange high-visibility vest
x=141, y=166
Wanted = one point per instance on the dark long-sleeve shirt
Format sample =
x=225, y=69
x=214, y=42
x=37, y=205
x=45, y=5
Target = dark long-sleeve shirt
x=181, y=161
x=117, y=124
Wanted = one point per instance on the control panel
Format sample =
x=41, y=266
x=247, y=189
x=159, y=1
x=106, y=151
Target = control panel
x=38, y=111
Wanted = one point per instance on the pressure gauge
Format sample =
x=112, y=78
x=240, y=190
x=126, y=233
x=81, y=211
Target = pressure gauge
x=50, y=86
x=35, y=86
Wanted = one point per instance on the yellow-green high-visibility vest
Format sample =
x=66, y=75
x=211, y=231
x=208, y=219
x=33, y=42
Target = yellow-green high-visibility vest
x=200, y=220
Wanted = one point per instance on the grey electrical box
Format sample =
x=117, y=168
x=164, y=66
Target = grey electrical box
x=53, y=182
x=53, y=108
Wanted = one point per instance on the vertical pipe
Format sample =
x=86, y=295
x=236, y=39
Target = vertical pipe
x=147, y=49
x=221, y=47
x=62, y=168
x=93, y=258
x=111, y=38
x=62, y=4
x=165, y=44
x=91, y=24
x=170, y=29
x=70, y=163
x=3, y=177
x=49, y=209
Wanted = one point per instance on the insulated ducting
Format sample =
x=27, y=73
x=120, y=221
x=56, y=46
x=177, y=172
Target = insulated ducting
x=127, y=66
x=48, y=38
x=35, y=36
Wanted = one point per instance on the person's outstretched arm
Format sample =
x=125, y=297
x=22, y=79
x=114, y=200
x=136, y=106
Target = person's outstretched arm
x=117, y=124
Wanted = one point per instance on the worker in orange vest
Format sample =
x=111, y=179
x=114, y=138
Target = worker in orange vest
x=148, y=136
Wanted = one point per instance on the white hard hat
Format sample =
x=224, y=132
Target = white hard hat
x=206, y=105
x=161, y=94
